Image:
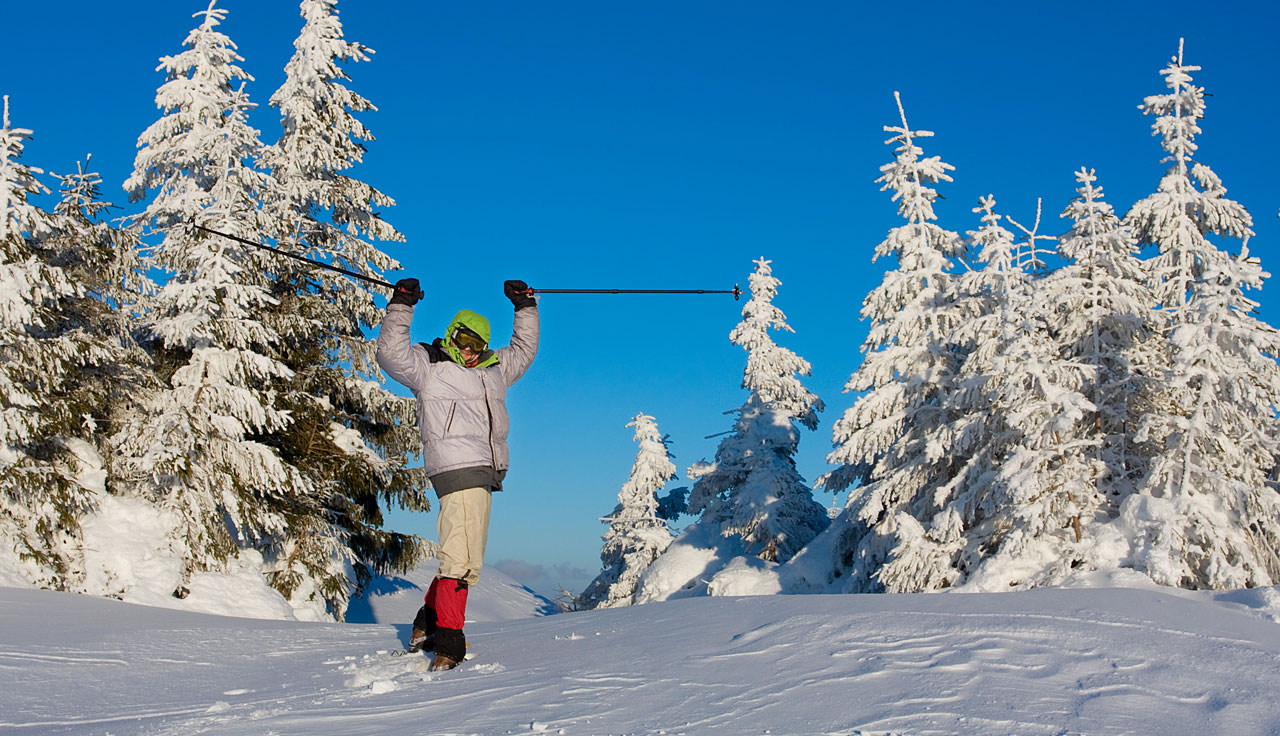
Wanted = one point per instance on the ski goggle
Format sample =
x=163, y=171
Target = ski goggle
x=466, y=339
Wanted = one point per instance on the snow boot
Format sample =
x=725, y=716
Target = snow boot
x=441, y=662
x=424, y=630
x=421, y=641
x=450, y=649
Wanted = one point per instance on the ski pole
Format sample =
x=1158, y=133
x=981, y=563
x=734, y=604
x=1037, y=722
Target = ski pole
x=296, y=257
x=735, y=291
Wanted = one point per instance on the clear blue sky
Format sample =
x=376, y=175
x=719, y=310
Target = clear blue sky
x=667, y=145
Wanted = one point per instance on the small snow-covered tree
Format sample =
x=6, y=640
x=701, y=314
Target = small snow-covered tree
x=753, y=490
x=100, y=317
x=1205, y=516
x=103, y=258
x=636, y=534
x=883, y=442
x=350, y=436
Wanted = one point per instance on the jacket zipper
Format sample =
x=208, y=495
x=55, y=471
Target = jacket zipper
x=449, y=422
x=493, y=452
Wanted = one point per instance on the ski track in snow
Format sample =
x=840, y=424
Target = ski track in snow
x=1051, y=662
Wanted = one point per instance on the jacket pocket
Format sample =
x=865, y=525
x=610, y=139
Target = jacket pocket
x=449, y=421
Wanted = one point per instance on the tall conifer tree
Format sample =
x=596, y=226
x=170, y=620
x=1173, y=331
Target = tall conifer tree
x=1101, y=313
x=882, y=442
x=350, y=436
x=101, y=317
x=196, y=446
x=1024, y=517
x=919, y=544
x=42, y=494
x=1206, y=516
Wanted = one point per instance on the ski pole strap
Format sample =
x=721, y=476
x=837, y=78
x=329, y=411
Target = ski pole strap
x=735, y=291
x=294, y=256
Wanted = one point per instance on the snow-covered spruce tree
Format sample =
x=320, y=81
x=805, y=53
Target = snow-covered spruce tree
x=1022, y=506
x=636, y=534
x=1018, y=481
x=350, y=436
x=46, y=479
x=882, y=443
x=1205, y=517
x=196, y=446
x=106, y=261
x=1100, y=314
x=1177, y=218
x=753, y=491
x=920, y=544
x=100, y=316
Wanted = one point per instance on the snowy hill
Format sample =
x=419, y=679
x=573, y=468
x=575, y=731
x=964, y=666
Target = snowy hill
x=1095, y=661
x=396, y=599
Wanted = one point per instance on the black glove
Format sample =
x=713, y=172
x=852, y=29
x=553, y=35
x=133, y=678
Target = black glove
x=518, y=293
x=406, y=292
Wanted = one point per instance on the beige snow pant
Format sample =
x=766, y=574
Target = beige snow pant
x=463, y=530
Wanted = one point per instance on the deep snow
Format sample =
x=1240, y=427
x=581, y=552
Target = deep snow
x=1050, y=661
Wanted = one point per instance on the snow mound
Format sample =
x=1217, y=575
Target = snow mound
x=128, y=555
x=688, y=565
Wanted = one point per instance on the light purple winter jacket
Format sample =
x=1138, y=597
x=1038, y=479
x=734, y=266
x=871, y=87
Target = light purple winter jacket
x=462, y=412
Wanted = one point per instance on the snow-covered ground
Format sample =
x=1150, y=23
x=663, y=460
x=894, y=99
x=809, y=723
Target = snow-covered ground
x=1051, y=661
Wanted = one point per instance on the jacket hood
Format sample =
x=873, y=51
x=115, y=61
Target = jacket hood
x=475, y=322
x=470, y=320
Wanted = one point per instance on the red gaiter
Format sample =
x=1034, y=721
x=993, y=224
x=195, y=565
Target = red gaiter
x=449, y=597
